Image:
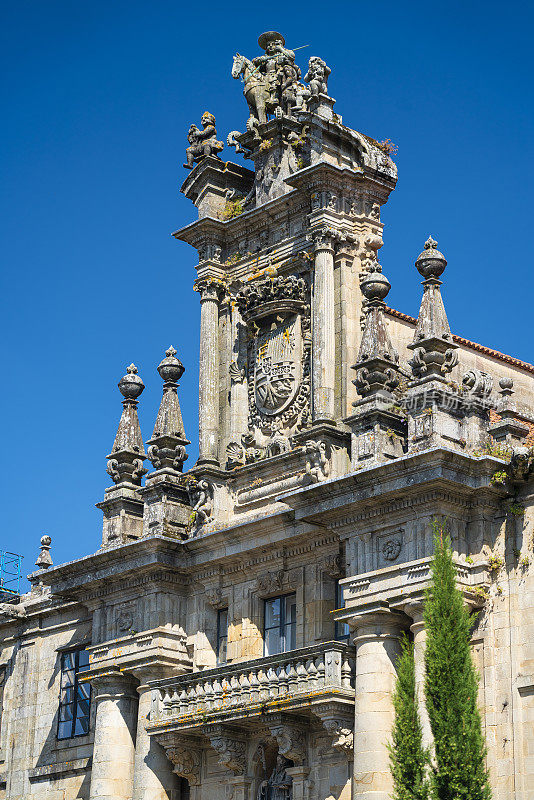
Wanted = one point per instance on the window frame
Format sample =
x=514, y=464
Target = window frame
x=221, y=637
x=339, y=602
x=283, y=626
x=77, y=670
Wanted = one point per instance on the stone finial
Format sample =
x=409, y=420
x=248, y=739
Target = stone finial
x=167, y=446
x=433, y=346
x=44, y=559
x=430, y=263
x=376, y=367
x=125, y=462
x=507, y=387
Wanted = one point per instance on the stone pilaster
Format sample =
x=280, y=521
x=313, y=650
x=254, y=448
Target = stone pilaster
x=323, y=326
x=114, y=745
x=377, y=639
x=209, y=290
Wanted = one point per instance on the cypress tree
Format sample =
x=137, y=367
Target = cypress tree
x=451, y=685
x=407, y=755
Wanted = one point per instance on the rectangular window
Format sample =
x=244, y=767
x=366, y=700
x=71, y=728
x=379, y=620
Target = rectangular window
x=280, y=624
x=342, y=630
x=222, y=635
x=75, y=697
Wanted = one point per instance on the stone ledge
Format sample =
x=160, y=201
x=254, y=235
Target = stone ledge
x=60, y=769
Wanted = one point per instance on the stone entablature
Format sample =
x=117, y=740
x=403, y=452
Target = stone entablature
x=300, y=681
x=402, y=583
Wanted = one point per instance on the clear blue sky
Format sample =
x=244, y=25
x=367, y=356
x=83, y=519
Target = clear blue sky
x=97, y=99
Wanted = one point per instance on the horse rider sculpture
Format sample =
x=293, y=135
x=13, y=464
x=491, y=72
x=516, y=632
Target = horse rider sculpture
x=271, y=79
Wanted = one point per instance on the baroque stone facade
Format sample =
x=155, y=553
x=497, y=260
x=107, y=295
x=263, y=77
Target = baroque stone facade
x=235, y=634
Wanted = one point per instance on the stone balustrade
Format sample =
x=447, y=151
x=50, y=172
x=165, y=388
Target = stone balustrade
x=298, y=681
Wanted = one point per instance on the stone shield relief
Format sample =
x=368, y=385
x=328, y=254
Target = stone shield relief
x=278, y=367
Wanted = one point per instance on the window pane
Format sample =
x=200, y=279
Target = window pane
x=83, y=660
x=82, y=709
x=291, y=608
x=64, y=730
x=68, y=678
x=82, y=726
x=84, y=690
x=272, y=642
x=221, y=655
x=68, y=661
x=67, y=695
x=272, y=613
x=290, y=637
x=66, y=712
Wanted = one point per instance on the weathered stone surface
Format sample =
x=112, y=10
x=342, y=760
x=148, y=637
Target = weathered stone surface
x=327, y=448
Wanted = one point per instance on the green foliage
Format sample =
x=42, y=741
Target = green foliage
x=495, y=562
x=407, y=755
x=499, y=477
x=233, y=208
x=451, y=686
x=516, y=509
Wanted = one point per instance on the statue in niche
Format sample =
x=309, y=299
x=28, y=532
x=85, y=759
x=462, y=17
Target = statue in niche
x=317, y=76
x=279, y=784
x=202, y=143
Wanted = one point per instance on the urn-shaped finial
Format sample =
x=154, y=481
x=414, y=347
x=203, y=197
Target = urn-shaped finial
x=171, y=368
x=375, y=285
x=130, y=385
x=430, y=263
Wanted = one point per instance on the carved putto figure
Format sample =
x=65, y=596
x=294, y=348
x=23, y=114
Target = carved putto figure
x=317, y=76
x=200, y=498
x=279, y=785
x=202, y=143
x=317, y=466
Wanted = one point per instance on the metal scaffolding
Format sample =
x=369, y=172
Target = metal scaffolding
x=10, y=571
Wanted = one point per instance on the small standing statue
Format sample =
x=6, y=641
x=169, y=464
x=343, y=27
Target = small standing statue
x=202, y=143
x=279, y=784
x=317, y=76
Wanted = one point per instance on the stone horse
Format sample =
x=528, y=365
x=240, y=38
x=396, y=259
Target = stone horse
x=258, y=93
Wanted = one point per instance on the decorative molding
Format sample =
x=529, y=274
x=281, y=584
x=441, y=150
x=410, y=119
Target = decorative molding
x=391, y=546
x=341, y=733
x=270, y=582
x=185, y=754
x=332, y=564
x=232, y=750
x=291, y=739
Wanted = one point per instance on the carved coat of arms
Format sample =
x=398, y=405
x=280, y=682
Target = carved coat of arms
x=278, y=366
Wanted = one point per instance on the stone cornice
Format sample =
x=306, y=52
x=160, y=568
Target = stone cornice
x=143, y=560
x=401, y=480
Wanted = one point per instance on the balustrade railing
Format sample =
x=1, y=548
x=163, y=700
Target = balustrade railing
x=311, y=671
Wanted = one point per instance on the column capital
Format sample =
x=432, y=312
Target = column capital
x=326, y=238
x=209, y=288
x=111, y=684
x=376, y=623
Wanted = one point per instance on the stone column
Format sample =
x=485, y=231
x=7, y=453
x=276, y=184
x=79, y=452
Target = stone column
x=114, y=745
x=209, y=290
x=377, y=640
x=154, y=778
x=323, y=321
x=415, y=611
